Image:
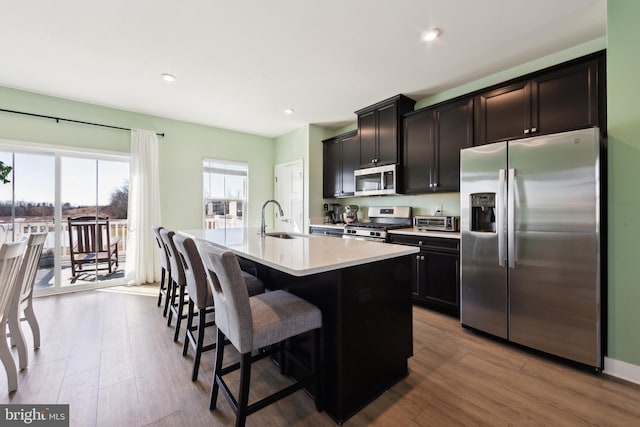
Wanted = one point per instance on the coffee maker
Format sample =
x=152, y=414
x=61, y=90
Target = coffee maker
x=332, y=213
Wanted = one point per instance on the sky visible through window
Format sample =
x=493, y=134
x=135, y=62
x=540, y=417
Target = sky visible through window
x=34, y=176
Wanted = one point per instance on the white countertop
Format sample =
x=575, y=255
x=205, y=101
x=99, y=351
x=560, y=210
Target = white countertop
x=415, y=232
x=303, y=255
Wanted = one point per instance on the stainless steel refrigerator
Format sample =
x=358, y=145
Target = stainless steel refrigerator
x=530, y=243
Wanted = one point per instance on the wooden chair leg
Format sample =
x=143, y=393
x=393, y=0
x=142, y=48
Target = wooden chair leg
x=217, y=368
x=17, y=338
x=30, y=315
x=243, y=397
x=9, y=366
x=202, y=320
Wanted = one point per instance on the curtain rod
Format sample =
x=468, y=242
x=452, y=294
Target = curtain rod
x=59, y=119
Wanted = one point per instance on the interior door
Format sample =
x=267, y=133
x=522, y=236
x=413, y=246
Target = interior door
x=289, y=192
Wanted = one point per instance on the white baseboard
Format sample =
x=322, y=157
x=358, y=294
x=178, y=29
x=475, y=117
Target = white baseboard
x=622, y=370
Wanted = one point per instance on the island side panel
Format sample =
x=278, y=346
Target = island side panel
x=367, y=320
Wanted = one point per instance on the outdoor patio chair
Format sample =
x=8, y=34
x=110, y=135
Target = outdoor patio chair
x=90, y=242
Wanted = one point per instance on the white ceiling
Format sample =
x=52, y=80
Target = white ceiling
x=239, y=64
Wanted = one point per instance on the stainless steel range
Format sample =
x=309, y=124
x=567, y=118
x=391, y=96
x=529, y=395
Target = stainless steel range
x=381, y=219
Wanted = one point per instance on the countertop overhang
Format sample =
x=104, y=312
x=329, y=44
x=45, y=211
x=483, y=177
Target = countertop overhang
x=302, y=255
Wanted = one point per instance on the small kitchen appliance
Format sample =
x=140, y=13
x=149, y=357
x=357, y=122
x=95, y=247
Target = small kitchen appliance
x=381, y=220
x=350, y=213
x=436, y=223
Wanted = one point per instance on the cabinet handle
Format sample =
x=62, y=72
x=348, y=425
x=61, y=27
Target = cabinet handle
x=526, y=131
x=534, y=130
x=422, y=258
x=420, y=242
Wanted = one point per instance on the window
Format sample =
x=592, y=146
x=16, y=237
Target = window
x=225, y=193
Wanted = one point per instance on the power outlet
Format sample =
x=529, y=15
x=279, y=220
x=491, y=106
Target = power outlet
x=438, y=210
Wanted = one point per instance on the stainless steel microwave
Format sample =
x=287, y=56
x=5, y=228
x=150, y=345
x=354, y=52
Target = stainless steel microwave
x=376, y=181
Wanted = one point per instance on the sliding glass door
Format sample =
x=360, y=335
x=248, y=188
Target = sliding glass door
x=94, y=196
x=47, y=189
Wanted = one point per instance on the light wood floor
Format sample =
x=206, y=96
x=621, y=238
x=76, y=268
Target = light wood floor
x=110, y=355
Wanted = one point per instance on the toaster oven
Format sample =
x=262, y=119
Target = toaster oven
x=436, y=223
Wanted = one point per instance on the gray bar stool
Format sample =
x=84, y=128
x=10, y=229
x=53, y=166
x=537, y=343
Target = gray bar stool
x=165, y=290
x=178, y=282
x=258, y=323
x=200, y=296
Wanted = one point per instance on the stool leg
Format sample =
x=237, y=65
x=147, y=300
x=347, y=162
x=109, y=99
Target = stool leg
x=179, y=313
x=316, y=364
x=217, y=368
x=168, y=296
x=202, y=319
x=191, y=310
x=161, y=287
x=243, y=397
x=174, y=289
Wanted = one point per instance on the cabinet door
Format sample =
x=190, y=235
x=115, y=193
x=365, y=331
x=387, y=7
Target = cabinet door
x=350, y=161
x=565, y=100
x=503, y=114
x=332, y=169
x=387, y=124
x=368, y=135
x=418, y=152
x=442, y=280
x=453, y=132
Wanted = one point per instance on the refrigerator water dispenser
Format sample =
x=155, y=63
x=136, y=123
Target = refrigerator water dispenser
x=483, y=212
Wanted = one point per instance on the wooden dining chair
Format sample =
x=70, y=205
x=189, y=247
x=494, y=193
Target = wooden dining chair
x=10, y=257
x=21, y=298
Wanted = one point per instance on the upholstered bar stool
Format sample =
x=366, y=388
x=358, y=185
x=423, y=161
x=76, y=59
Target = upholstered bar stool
x=200, y=296
x=166, y=271
x=255, y=323
x=21, y=298
x=178, y=283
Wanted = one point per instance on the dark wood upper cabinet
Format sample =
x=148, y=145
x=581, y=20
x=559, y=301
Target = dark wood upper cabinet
x=433, y=138
x=453, y=132
x=563, y=99
x=380, y=131
x=340, y=158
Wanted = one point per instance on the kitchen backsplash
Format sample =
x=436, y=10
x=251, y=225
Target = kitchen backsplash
x=424, y=204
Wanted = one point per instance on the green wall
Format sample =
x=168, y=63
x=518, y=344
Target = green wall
x=181, y=150
x=623, y=99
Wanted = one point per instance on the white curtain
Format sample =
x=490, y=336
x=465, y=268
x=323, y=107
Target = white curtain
x=143, y=265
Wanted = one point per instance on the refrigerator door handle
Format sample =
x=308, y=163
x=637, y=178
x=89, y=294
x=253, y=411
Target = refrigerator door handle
x=511, y=218
x=500, y=217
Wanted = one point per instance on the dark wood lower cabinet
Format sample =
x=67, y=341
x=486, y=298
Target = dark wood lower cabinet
x=436, y=272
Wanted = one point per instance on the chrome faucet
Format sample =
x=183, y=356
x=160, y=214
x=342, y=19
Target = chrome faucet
x=262, y=224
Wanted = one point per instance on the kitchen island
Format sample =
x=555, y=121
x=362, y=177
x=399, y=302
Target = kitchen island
x=364, y=292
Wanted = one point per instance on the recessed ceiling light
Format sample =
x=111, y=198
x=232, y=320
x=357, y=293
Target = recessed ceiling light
x=168, y=77
x=430, y=35
x=288, y=110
